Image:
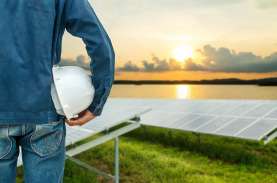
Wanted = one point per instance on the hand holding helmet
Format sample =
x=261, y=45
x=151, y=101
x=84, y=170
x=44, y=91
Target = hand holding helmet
x=72, y=93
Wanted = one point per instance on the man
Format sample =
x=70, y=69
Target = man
x=31, y=34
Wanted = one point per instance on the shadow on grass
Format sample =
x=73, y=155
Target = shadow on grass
x=226, y=149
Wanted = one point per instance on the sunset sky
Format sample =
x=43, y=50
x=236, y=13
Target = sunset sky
x=177, y=39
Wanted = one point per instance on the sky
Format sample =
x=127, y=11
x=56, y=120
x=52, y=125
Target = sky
x=177, y=39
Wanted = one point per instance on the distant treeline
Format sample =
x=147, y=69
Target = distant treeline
x=230, y=81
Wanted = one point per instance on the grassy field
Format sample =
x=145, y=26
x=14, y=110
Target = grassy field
x=158, y=155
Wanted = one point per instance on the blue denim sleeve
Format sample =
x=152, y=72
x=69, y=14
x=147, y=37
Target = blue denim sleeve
x=81, y=21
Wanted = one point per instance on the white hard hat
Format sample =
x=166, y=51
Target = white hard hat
x=72, y=90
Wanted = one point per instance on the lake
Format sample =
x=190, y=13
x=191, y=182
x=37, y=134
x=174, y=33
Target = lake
x=195, y=91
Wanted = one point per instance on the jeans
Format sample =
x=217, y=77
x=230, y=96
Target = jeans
x=43, y=152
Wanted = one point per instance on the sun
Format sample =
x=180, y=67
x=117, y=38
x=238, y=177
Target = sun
x=181, y=53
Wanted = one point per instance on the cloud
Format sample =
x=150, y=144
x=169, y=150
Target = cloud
x=213, y=60
x=190, y=65
x=155, y=65
x=226, y=60
x=129, y=67
x=80, y=61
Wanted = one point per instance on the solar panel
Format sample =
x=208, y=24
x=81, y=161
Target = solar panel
x=113, y=114
x=259, y=130
x=193, y=125
x=184, y=119
x=261, y=110
x=213, y=125
x=242, y=109
x=233, y=127
x=246, y=119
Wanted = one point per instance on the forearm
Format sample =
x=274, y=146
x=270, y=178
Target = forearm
x=81, y=21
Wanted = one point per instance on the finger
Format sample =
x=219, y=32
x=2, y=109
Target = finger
x=79, y=122
x=86, y=118
x=83, y=118
x=75, y=122
x=70, y=123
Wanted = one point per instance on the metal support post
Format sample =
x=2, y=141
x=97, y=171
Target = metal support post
x=116, y=156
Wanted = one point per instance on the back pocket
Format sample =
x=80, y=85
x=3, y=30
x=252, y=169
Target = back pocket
x=5, y=143
x=47, y=138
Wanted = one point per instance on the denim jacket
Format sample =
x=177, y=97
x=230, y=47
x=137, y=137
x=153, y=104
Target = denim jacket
x=31, y=34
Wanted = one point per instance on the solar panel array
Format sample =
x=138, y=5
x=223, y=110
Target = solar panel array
x=246, y=119
x=113, y=115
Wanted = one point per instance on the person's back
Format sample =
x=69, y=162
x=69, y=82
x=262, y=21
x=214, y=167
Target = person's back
x=30, y=37
x=26, y=32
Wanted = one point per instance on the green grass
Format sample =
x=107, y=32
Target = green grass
x=158, y=155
